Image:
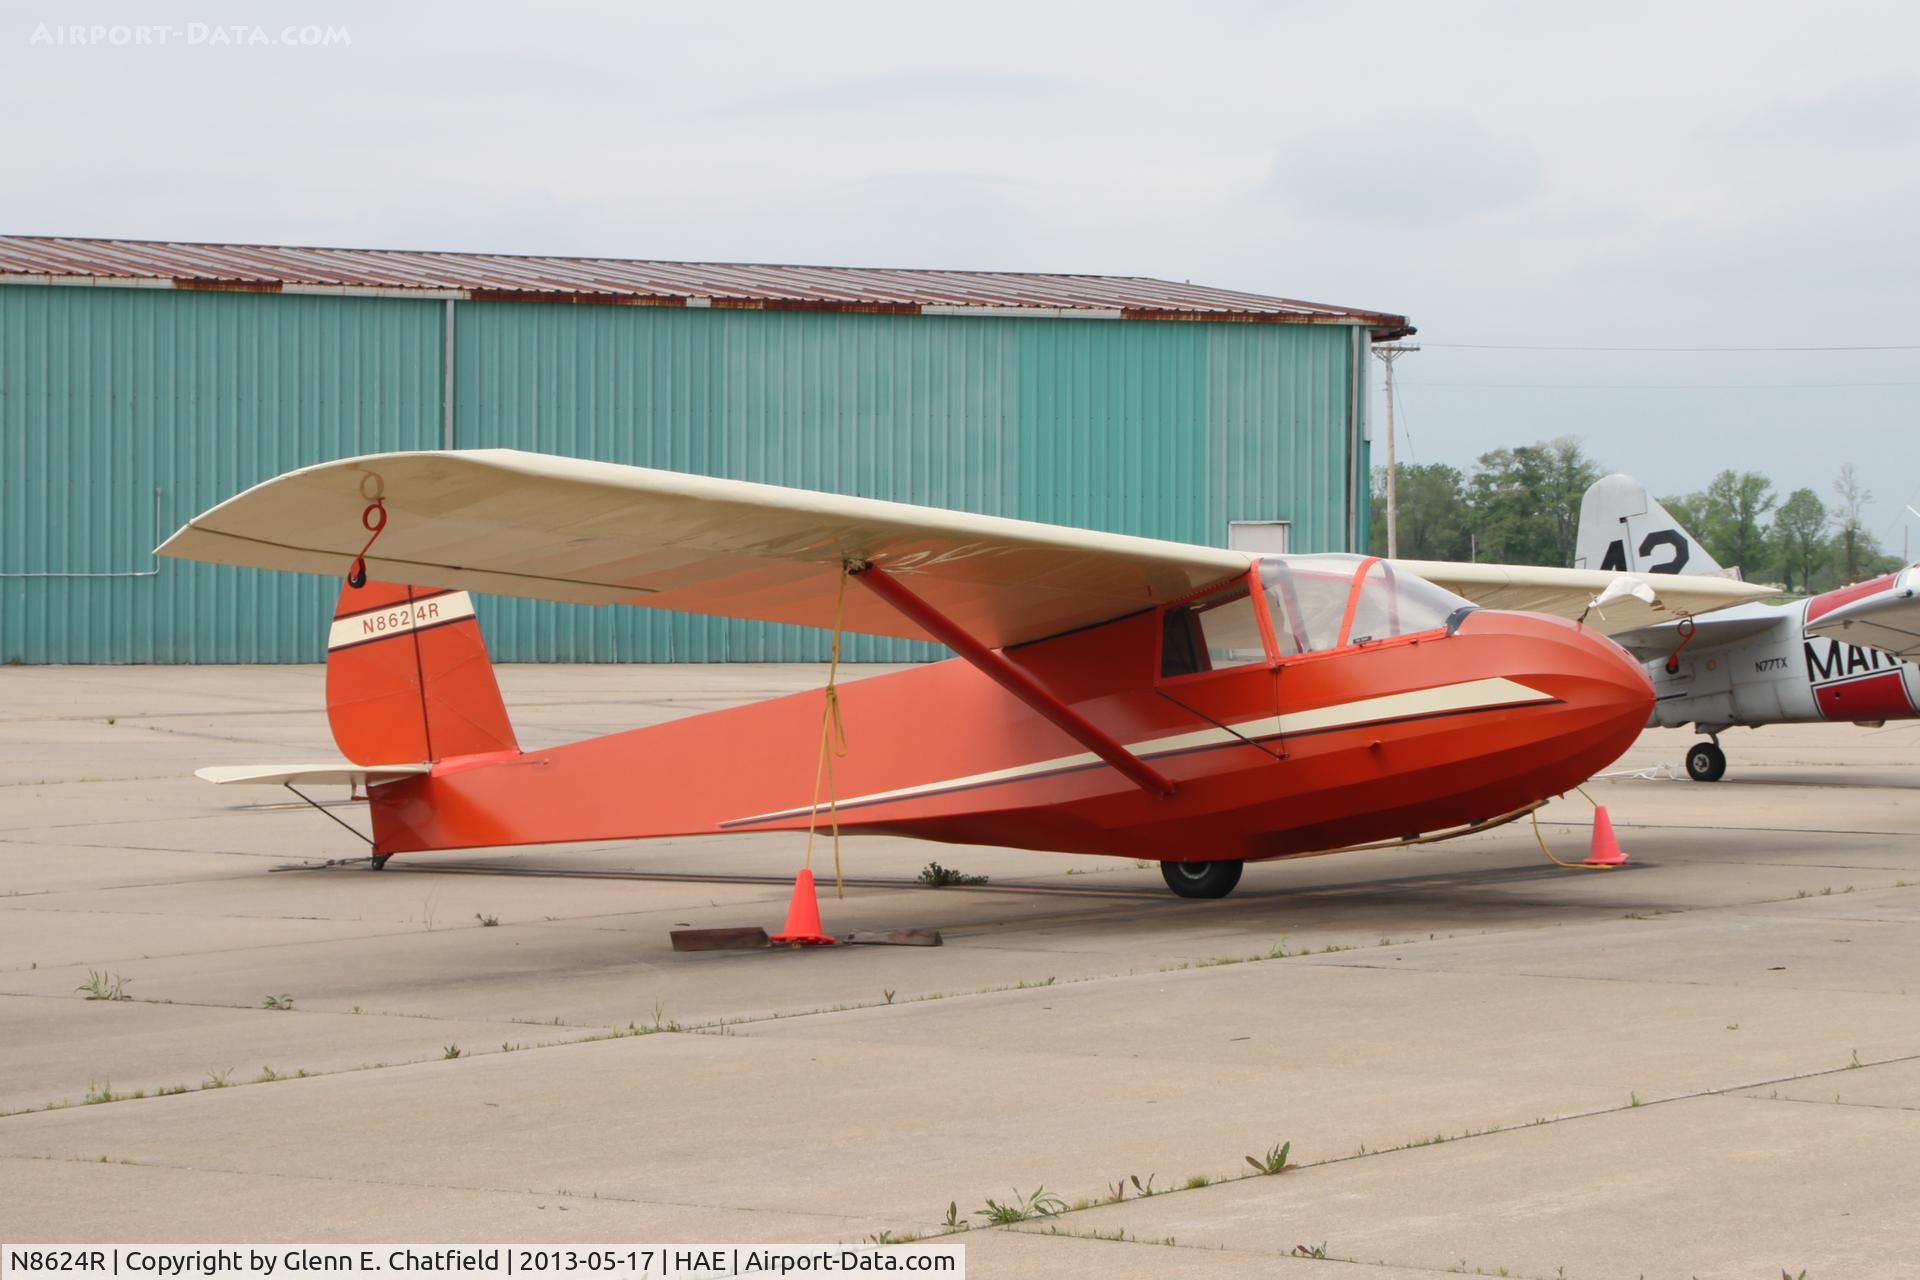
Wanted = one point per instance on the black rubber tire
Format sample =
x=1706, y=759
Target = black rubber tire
x=379, y=861
x=1202, y=879
x=1706, y=762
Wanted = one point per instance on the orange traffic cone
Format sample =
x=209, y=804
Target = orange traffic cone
x=1606, y=850
x=803, y=915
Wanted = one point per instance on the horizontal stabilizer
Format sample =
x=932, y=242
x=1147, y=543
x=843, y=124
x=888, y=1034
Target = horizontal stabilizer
x=278, y=775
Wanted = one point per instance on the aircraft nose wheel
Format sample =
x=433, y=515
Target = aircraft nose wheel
x=1202, y=879
x=1706, y=762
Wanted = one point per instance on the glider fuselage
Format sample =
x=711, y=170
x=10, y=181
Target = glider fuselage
x=1285, y=754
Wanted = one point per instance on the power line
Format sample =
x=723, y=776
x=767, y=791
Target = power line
x=1514, y=346
x=1406, y=429
x=1659, y=386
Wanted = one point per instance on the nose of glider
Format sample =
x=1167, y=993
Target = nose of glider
x=1589, y=698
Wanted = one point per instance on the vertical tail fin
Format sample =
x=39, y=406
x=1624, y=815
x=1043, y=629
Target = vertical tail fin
x=408, y=677
x=1623, y=527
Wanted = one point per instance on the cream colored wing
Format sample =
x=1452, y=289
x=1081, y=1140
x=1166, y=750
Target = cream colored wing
x=1567, y=592
x=528, y=524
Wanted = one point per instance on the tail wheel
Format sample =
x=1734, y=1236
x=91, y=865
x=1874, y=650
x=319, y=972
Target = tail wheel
x=1203, y=879
x=379, y=861
x=1706, y=762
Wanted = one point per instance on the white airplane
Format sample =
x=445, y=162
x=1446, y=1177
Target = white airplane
x=1845, y=654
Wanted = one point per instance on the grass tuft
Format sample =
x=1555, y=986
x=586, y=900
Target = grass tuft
x=105, y=986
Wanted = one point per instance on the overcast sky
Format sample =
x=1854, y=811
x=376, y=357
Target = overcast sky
x=1619, y=175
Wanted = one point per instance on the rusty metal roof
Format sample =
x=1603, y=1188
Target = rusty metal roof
x=510, y=277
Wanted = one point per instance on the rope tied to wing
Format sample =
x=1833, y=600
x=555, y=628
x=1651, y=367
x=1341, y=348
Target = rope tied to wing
x=1684, y=630
x=833, y=744
x=373, y=520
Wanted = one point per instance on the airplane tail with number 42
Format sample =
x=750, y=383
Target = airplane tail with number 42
x=1846, y=654
x=1110, y=695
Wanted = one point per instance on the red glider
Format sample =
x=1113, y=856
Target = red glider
x=1112, y=695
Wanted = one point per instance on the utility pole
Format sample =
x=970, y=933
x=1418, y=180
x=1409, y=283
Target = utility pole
x=1386, y=356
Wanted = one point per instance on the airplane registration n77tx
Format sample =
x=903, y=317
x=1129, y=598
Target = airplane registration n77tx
x=1111, y=694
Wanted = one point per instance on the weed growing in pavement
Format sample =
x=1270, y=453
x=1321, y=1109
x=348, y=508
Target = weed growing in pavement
x=1275, y=1161
x=105, y=986
x=1198, y=1181
x=283, y=1002
x=1310, y=1250
x=1040, y=1204
x=217, y=1079
x=450, y=1052
x=936, y=876
x=487, y=922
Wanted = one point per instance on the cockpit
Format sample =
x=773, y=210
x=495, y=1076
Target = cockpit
x=1295, y=606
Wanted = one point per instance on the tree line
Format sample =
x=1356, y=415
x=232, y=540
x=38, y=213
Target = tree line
x=1522, y=506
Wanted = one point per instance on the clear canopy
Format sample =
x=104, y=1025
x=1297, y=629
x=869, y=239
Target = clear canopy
x=1315, y=603
x=1311, y=596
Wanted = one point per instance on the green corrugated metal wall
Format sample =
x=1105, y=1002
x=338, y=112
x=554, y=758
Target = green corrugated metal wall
x=109, y=397
x=1168, y=429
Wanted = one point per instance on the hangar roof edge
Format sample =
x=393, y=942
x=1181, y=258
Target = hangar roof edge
x=517, y=277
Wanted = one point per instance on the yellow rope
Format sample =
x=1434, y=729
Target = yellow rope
x=1571, y=866
x=833, y=742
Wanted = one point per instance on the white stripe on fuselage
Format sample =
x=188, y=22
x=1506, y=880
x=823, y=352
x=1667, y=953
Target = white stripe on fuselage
x=1494, y=691
x=399, y=619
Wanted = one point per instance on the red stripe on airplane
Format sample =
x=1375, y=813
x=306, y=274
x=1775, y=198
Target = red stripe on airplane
x=1821, y=605
x=1881, y=697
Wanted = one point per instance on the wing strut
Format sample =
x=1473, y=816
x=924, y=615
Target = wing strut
x=996, y=666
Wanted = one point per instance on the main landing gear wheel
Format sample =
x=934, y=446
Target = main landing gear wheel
x=379, y=861
x=1706, y=762
x=1203, y=879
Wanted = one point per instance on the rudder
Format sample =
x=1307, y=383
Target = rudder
x=408, y=677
